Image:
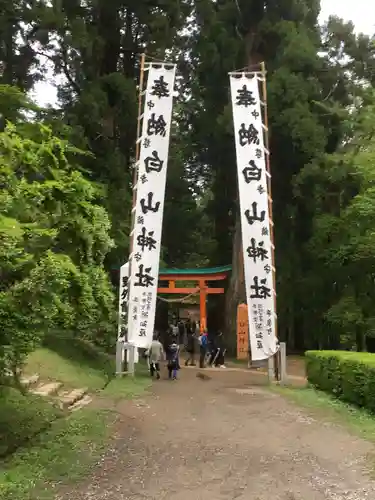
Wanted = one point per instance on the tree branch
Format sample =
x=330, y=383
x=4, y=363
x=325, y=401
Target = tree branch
x=64, y=67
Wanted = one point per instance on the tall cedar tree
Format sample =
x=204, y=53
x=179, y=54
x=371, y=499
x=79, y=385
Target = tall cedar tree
x=307, y=90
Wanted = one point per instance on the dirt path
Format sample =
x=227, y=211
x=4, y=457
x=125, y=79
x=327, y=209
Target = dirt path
x=223, y=439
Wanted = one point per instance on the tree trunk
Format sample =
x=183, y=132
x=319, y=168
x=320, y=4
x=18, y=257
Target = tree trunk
x=236, y=293
x=360, y=339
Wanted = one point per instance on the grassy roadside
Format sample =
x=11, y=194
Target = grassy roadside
x=357, y=420
x=128, y=387
x=53, y=448
x=66, y=450
x=22, y=417
x=75, y=367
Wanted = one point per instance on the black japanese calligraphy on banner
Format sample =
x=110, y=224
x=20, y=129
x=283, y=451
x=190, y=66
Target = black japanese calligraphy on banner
x=153, y=163
x=143, y=276
x=160, y=88
x=248, y=135
x=257, y=250
x=254, y=215
x=252, y=172
x=123, y=301
x=259, y=289
x=148, y=205
x=124, y=287
x=244, y=97
x=267, y=268
x=150, y=194
x=145, y=240
x=137, y=255
x=254, y=209
x=156, y=126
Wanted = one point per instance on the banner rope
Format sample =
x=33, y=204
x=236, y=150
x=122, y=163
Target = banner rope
x=177, y=300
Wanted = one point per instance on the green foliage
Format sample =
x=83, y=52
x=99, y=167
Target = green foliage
x=98, y=94
x=358, y=420
x=187, y=230
x=54, y=238
x=342, y=241
x=75, y=361
x=66, y=450
x=22, y=417
x=41, y=450
x=349, y=376
x=13, y=103
x=321, y=110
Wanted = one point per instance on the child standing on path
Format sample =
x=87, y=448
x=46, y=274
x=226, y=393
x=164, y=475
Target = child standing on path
x=173, y=358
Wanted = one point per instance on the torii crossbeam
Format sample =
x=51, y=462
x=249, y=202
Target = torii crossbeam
x=201, y=277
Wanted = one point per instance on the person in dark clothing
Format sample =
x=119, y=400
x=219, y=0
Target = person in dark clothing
x=220, y=350
x=193, y=326
x=181, y=332
x=190, y=349
x=173, y=362
x=217, y=350
x=203, y=342
x=212, y=350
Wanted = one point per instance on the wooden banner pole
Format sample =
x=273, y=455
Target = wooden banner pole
x=134, y=196
x=137, y=153
x=269, y=189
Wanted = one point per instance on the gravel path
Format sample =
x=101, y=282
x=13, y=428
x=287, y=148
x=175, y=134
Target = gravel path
x=225, y=439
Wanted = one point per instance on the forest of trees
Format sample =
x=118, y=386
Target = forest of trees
x=66, y=171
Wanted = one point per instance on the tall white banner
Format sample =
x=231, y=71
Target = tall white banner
x=123, y=300
x=255, y=217
x=152, y=173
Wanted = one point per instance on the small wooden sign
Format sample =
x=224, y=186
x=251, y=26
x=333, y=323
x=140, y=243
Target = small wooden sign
x=242, y=332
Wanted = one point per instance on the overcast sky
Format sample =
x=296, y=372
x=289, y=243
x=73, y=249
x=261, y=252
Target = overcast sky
x=360, y=12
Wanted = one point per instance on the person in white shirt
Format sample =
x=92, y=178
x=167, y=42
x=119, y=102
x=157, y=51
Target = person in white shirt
x=155, y=355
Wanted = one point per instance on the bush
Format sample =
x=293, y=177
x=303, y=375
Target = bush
x=349, y=376
x=22, y=418
x=54, y=237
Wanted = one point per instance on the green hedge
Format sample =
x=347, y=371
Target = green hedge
x=350, y=376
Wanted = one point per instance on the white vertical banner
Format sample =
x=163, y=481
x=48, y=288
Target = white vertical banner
x=147, y=231
x=255, y=217
x=123, y=307
x=123, y=300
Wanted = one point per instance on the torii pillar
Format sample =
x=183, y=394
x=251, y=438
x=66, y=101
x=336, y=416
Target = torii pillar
x=203, y=305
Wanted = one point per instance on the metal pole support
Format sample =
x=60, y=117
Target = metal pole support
x=131, y=364
x=283, y=373
x=120, y=348
x=271, y=369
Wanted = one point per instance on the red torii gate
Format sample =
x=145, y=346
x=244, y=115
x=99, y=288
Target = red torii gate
x=201, y=277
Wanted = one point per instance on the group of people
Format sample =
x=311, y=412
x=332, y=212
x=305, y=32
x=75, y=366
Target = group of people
x=156, y=353
x=211, y=349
